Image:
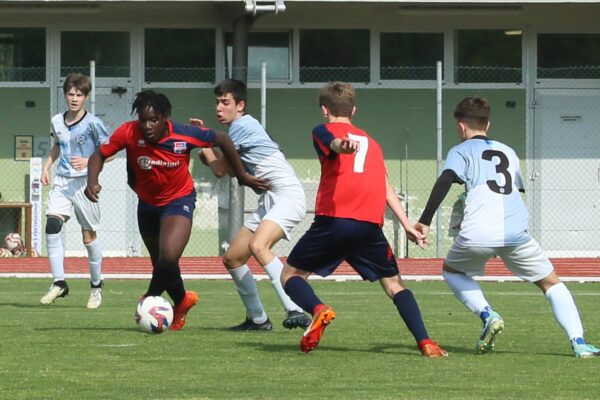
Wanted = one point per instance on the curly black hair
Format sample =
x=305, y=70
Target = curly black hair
x=150, y=99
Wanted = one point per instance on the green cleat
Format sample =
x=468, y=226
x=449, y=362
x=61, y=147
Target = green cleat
x=585, y=351
x=493, y=325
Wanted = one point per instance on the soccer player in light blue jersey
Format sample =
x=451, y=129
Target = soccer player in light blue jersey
x=280, y=208
x=495, y=224
x=76, y=134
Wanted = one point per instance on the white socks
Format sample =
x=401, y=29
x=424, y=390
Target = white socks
x=246, y=287
x=273, y=269
x=94, y=250
x=467, y=290
x=565, y=310
x=56, y=255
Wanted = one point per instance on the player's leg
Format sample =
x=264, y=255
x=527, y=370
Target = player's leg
x=264, y=238
x=175, y=233
x=88, y=216
x=460, y=265
x=529, y=262
x=58, y=212
x=409, y=311
x=235, y=259
x=320, y=250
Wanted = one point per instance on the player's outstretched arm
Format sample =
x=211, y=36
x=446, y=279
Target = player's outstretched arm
x=395, y=205
x=224, y=142
x=52, y=156
x=344, y=146
x=214, y=159
x=95, y=165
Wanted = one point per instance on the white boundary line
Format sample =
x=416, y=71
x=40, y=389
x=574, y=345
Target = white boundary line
x=337, y=278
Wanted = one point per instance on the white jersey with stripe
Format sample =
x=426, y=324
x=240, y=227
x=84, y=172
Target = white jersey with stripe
x=80, y=139
x=495, y=214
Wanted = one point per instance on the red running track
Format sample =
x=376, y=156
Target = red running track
x=575, y=268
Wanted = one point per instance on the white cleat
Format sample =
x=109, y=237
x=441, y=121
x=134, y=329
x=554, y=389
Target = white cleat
x=54, y=293
x=95, y=298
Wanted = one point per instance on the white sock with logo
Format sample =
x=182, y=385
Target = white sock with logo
x=246, y=287
x=565, y=310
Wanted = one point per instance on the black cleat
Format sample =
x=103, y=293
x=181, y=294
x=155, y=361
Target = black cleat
x=249, y=325
x=296, y=319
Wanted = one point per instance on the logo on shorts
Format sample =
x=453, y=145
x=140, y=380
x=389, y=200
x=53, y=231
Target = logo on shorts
x=141, y=143
x=179, y=147
x=80, y=139
x=186, y=208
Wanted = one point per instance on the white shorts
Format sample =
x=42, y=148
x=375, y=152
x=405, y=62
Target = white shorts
x=526, y=261
x=67, y=196
x=285, y=202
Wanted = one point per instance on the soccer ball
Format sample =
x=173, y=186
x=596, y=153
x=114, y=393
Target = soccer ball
x=5, y=252
x=154, y=314
x=13, y=242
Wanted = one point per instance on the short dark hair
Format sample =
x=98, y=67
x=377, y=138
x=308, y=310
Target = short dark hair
x=474, y=112
x=150, y=99
x=78, y=81
x=236, y=88
x=338, y=97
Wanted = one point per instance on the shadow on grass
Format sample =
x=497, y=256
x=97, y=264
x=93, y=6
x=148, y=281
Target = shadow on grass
x=41, y=306
x=88, y=328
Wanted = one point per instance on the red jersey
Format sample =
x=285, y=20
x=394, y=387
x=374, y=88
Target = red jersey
x=158, y=172
x=352, y=185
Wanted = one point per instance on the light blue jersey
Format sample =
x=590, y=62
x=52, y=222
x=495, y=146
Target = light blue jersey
x=78, y=140
x=252, y=142
x=495, y=214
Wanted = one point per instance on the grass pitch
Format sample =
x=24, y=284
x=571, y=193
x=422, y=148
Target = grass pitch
x=65, y=351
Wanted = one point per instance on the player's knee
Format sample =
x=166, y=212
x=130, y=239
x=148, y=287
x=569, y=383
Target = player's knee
x=53, y=225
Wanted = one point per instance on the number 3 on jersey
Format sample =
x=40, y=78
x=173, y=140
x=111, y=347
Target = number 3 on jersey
x=502, y=169
x=361, y=155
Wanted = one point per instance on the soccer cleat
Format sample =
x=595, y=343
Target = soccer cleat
x=492, y=326
x=249, y=325
x=431, y=349
x=585, y=351
x=323, y=317
x=180, y=310
x=95, y=298
x=296, y=319
x=57, y=289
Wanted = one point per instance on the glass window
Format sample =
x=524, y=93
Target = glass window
x=110, y=51
x=410, y=55
x=340, y=54
x=22, y=54
x=272, y=47
x=487, y=56
x=568, y=55
x=179, y=55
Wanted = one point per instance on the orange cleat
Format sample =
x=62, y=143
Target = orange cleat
x=323, y=317
x=431, y=349
x=181, y=310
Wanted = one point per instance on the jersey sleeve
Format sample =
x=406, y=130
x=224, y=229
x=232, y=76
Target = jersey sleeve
x=322, y=139
x=518, y=175
x=100, y=132
x=195, y=136
x=117, y=141
x=456, y=162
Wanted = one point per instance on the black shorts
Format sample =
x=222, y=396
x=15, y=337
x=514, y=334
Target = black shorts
x=149, y=216
x=330, y=240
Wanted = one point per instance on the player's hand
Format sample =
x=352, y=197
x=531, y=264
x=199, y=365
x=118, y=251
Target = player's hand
x=253, y=182
x=423, y=230
x=349, y=146
x=79, y=163
x=196, y=122
x=417, y=237
x=92, y=192
x=202, y=156
x=45, y=178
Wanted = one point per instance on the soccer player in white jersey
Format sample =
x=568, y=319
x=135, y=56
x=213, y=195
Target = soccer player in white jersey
x=280, y=208
x=495, y=224
x=76, y=134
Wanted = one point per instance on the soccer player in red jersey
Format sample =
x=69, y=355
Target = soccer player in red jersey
x=158, y=156
x=351, y=200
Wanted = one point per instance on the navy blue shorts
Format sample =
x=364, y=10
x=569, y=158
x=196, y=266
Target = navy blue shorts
x=149, y=216
x=329, y=241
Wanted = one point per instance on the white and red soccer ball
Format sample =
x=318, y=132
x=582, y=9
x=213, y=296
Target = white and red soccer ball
x=13, y=242
x=154, y=314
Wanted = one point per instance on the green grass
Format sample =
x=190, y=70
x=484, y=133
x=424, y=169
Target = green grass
x=65, y=351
